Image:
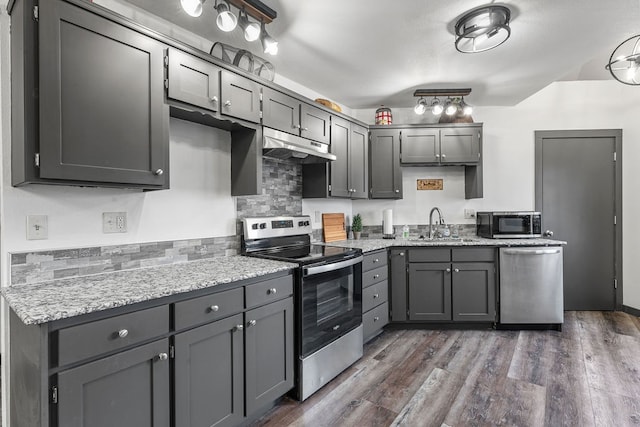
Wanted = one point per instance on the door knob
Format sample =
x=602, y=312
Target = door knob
x=548, y=233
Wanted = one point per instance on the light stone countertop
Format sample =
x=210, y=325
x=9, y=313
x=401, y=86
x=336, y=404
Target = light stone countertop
x=369, y=245
x=62, y=298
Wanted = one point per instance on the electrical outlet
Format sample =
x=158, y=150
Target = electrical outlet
x=114, y=222
x=469, y=213
x=37, y=227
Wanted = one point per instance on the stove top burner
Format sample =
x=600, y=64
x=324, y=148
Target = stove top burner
x=306, y=254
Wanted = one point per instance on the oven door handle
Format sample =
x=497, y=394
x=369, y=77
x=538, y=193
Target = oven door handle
x=325, y=268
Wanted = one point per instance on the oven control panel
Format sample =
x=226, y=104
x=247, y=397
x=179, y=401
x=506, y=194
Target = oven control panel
x=258, y=228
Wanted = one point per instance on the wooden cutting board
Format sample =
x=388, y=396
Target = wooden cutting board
x=333, y=227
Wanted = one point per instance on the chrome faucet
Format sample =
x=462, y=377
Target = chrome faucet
x=435, y=209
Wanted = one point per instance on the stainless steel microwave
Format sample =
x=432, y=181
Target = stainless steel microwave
x=509, y=225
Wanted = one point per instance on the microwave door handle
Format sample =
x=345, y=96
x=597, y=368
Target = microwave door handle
x=325, y=268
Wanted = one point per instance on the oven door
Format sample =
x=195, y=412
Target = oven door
x=331, y=303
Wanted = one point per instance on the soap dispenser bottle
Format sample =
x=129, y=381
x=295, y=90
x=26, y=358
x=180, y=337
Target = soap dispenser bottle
x=405, y=232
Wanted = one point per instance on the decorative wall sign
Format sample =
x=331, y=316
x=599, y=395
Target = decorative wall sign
x=429, y=184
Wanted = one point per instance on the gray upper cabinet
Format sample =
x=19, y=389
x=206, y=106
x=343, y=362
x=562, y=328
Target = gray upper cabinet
x=386, y=175
x=128, y=389
x=349, y=172
x=289, y=114
x=193, y=80
x=239, y=97
x=315, y=123
x=446, y=145
x=100, y=100
x=359, y=162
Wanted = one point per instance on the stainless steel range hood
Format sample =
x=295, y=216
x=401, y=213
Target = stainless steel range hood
x=280, y=145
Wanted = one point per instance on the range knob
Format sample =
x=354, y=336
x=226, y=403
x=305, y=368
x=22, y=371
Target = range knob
x=254, y=226
x=300, y=223
x=263, y=225
x=306, y=223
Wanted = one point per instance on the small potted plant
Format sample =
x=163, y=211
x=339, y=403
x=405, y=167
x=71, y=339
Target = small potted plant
x=356, y=226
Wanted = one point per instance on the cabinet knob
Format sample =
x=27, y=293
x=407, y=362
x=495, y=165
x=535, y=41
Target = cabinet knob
x=158, y=172
x=448, y=270
x=295, y=127
x=548, y=233
x=444, y=156
x=376, y=260
x=252, y=323
x=397, y=191
x=122, y=333
x=272, y=291
x=437, y=156
x=456, y=270
x=375, y=276
x=401, y=254
x=227, y=103
x=214, y=99
x=335, y=328
x=214, y=308
x=375, y=296
x=163, y=356
x=238, y=327
x=305, y=129
x=376, y=318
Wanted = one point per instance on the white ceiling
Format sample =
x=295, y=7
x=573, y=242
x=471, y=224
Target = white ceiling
x=365, y=53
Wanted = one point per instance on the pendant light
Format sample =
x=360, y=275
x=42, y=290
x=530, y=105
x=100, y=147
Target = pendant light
x=624, y=63
x=226, y=20
x=192, y=7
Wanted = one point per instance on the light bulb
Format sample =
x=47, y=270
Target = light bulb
x=269, y=44
x=251, y=30
x=420, y=107
x=436, y=107
x=226, y=20
x=450, y=109
x=192, y=7
x=467, y=110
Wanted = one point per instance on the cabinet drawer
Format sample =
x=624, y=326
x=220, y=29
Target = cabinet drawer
x=474, y=254
x=268, y=291
x=429, y=255
x=207, y=308
x=373, y=321
x=375, y=295
x=374, y=276
x=102, y=336
x=374, y=260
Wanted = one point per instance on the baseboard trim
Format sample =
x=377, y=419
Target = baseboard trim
x=631, y=310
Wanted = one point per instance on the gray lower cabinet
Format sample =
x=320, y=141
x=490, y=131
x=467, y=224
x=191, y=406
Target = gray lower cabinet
x=268, y=353
x=444, y=284
x=81, y=118
x=128, y=389
x=209, y=374
x=193, y=81
x=239, y=97
x=375, y=291
x=386, y=176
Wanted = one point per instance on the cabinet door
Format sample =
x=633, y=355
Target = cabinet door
x=398, y=260
x=280, y=111
x=240, y=97
x=193, y=80
x=474, y=292
x=386, y=176
x=359, y=162
x=340, y=132
x=419, y=146
x=429, y=291
x=209, y=379
x=315, y=123
x=268, y=353
x=128, y=389
x=460, y=145
x=102, y=111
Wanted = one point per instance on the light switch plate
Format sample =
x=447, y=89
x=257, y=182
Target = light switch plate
x=37, y=227
x=114, y=222
x=469, y=213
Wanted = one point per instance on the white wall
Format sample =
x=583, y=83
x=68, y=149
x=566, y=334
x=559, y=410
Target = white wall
x=509, y=164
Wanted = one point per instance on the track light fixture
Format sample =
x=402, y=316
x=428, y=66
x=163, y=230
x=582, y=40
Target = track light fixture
x=453, y=106
x=226, y=20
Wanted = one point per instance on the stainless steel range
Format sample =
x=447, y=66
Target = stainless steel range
x=327, y=292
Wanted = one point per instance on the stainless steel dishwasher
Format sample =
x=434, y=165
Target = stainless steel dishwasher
x=531, y=285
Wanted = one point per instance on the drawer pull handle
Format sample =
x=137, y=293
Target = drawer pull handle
x=456, y=270
x=122, y=333
x=335, y=328
x=375, y=319
x=214, y=308
x=375, y=296
x=163, y=356
x=252, y=323
x=272, y=291
x=375, y=276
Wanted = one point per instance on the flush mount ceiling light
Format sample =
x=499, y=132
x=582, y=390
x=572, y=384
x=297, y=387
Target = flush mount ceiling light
x=226, y=20
x=624, y=63
x=483, y=29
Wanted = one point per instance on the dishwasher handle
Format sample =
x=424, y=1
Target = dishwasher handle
x=532, y=251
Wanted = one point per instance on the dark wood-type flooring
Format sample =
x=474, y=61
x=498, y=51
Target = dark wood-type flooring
x=586, y=375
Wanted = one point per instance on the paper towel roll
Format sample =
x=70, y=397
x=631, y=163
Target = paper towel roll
x=387, y=222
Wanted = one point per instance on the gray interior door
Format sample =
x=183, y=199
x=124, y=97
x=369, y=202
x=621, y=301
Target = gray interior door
x=578, y=191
